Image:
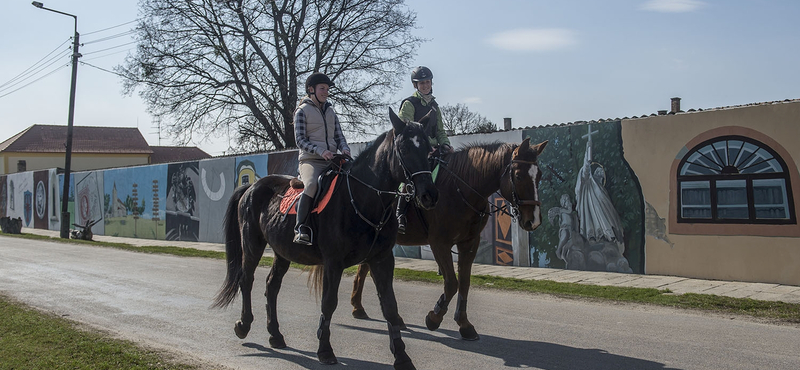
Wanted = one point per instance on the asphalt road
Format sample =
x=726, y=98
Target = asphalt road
x=162, y=301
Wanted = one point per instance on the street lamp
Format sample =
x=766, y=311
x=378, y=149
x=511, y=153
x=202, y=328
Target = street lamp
x=68, y=159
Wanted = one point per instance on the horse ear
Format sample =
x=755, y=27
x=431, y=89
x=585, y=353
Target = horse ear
x=539, y=148
x=397, y=123
x=525, y=146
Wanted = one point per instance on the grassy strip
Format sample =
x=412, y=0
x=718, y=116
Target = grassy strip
x=30, y=339
x=787, y=312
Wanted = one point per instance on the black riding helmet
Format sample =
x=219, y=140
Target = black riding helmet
x=317, y=78
x=421, y=73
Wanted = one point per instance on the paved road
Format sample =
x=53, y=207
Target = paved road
x=163, y=301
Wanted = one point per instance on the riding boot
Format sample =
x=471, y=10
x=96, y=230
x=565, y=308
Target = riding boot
x=302, y=232
x=402, y=204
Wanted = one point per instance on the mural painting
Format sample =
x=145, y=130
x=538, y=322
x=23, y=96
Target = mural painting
x=3, y=195
x=41, y=186
x=89, y=204
x=20, y=197
x=251, y=168
x=131, y=201
x=54, y=201
x=182, y=207
x=503, y=250
x=217, y=179
x=595, y=210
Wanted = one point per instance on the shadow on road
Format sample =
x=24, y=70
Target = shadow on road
x=308, y=359
x=523, y=353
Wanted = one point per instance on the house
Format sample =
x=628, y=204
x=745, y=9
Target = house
x=43, y=146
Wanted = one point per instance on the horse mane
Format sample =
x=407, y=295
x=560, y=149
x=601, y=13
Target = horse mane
x=475, y=162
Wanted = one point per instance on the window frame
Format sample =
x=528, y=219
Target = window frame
x=712, y=180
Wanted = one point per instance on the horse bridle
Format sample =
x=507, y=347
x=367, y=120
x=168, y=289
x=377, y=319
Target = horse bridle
x=516, y=202
x=410, y=190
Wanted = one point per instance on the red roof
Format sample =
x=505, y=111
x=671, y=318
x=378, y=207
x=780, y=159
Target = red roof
x=85, y=139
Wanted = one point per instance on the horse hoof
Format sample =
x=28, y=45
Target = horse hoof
x=327, y=358
x=432, y=324
x=241, y=329
x=277, y=342
x=405, y=365
x=360, y=314
x=469, y=333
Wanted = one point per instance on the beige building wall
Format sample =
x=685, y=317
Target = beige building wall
x=765, y=253
x=80, y=161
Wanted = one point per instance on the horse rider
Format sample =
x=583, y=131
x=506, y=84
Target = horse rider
x=413, y=108
x=318, y=135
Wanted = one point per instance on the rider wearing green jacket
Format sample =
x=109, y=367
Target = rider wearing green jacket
x=414, y=108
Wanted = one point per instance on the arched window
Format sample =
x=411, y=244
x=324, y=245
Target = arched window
x=734, y=179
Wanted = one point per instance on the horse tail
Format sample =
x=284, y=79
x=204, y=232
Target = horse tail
x=233, y=251
x=315, y=280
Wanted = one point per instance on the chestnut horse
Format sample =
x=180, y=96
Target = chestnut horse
x=469, y=177
x=357, y=226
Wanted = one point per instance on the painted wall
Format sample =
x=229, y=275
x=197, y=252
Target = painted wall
x=632, y=167
x=762, y=253
x=592, y=205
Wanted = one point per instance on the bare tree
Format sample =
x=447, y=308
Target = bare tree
x=214, y=67
x=460, y=120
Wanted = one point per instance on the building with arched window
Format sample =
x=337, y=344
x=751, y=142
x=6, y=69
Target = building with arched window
x=726, y=181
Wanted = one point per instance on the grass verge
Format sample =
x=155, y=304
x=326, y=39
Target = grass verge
x=779, y=311
x=30, y=339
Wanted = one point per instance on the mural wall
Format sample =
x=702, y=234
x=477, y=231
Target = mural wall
x=592, y=205
x=592, y=199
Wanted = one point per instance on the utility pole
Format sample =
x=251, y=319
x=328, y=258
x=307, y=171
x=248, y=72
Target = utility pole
x=65, y=217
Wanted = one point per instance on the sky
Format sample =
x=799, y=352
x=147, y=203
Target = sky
x=539, y=62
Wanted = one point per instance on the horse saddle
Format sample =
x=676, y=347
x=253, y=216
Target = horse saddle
x=326, y=185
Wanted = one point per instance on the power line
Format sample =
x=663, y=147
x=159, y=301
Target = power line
x=113, y=47
x=36, y=71
x=109, y=28
x=102, y=69
x=35, y=64
x=121, y=34
x=32, y=82
x=109, y=54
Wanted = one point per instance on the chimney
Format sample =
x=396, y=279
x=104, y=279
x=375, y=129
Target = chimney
x=22, y=166
x=675, y=106
x=507, y=123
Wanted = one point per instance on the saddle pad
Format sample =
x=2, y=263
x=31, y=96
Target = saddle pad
x=291, y=195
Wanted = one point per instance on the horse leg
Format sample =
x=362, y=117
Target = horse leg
x=445, y=261
x=358, y=289
x=382, y=267
x=274, y=280
x=251, y=256
x=330, y=299
x=466, y=255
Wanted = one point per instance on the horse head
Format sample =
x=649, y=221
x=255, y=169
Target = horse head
x=521, y=186
x=411, y=148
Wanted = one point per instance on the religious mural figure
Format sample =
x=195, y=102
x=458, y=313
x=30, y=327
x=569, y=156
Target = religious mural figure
x=599, y=220
x=591, y=235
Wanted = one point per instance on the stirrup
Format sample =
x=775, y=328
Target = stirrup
x=301, y=237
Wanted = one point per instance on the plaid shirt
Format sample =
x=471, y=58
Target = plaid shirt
x=301, y=138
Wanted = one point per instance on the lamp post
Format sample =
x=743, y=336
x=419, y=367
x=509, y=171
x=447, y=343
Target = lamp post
x=68, y=159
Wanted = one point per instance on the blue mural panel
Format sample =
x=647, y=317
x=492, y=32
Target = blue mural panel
x=134, y=201
x=20, y=197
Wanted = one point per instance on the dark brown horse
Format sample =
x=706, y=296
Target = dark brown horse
x=469, y=177
x=357, y=226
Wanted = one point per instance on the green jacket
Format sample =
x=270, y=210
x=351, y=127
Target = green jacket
x=407, y=114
